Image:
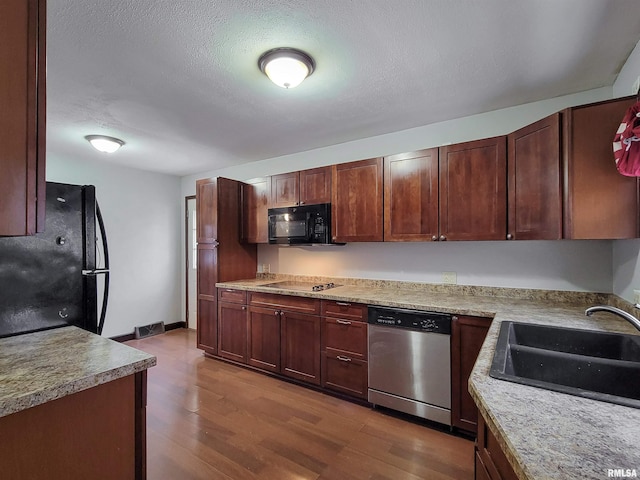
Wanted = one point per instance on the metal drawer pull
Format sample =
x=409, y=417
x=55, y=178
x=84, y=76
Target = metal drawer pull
x=343, y=322
x=343, y=358
x=343, y=304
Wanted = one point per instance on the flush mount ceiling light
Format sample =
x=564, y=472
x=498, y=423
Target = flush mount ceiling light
x=286, y=67
x=105, y=144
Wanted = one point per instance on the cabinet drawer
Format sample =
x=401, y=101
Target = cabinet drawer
x=345, y=374
x=285, y=302
x=231, y=295
x=346, y=335
x=353, y=311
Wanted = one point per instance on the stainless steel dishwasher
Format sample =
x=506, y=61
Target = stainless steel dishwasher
x=410, y=362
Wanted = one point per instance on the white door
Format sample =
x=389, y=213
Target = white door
x=192, y=252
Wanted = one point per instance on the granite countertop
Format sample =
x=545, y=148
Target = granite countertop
x=544, y=434
x=39, y=367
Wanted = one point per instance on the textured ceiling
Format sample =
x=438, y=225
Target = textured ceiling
x=178, y=79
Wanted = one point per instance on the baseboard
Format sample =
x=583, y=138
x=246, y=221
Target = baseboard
x=131, y=336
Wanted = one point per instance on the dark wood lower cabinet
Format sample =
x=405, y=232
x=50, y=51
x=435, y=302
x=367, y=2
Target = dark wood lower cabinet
x=490, y=461
x=467, y=336
x=344, y=374
x=96, y=433
x=208, y=325
x=264, y=339
x=232, y=331
x=301, y=346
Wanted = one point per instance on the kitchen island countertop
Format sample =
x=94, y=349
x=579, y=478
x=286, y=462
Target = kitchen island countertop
x=39, y=367
x=544, y=434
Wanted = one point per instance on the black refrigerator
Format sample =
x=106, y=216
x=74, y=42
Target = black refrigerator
x=50, y=279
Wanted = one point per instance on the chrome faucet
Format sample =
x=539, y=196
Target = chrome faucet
x=621, y=313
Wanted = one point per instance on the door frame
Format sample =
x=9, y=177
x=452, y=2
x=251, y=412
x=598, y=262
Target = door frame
x=186, y=256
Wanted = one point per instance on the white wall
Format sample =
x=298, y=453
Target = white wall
x=553, y=265
x=144, y=226
x=626, y=269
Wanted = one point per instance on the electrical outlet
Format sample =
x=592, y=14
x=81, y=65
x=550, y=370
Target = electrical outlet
x=636, y=296
x=266, y=268
x=449, y=277
x=636, y=87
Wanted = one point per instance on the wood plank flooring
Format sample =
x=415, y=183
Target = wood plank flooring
x=207, y=419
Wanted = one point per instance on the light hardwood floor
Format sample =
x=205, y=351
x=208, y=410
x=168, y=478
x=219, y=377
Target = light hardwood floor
x=207, y=419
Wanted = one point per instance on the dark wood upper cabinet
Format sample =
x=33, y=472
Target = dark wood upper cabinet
x=473, y=190
x=315, y=186
x=411, y=196
x=357, y=205
x=535, y=181
x=285, y=190
x=256, y=200
x=22, y=116
x=599, y=202
x=306, y=187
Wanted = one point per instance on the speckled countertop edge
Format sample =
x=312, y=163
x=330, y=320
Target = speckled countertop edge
x=545, y=435
x=39, y=367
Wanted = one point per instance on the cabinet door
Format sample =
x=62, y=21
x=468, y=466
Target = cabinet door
x=535, y=181
x=22, y=119
x=285, y=190
x=473, y=193
x=207, y=211
x=491, y=456
x=301, y=346
x=315, y=186
x=232, y=331
x=256, y=196
x=207, y=328
x=207, y=315
x=264, y=338
x=601, y=203
x=356, y=209
x=411, y=196
x=467, y=336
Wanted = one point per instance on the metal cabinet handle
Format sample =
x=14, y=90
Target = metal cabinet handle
x=343, y=322
x=434, y=238
x=301, y=203
x=343, y=358
x=509, y=236
x=244, y=308
x=343, y=304
x=442, y=238
x=276, y=312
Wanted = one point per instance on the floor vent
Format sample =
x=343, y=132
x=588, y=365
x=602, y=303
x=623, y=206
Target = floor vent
x=149, y=330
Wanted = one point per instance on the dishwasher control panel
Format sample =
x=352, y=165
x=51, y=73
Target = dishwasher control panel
x=434, y=322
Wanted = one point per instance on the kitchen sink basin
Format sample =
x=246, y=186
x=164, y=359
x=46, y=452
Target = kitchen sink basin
x=598, y=365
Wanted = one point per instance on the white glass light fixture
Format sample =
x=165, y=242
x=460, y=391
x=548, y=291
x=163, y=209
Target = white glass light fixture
x=286, y=67
x=105, y=144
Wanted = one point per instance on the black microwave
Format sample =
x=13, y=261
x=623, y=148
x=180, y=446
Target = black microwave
x=303, y=225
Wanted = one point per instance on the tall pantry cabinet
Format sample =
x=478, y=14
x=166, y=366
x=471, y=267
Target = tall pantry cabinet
x=22, y=116
x=221, y=255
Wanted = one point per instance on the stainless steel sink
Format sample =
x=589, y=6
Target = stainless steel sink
x=599, y=365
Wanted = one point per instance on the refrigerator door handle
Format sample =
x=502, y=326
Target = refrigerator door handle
x=96, y=271
x=105, y=270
